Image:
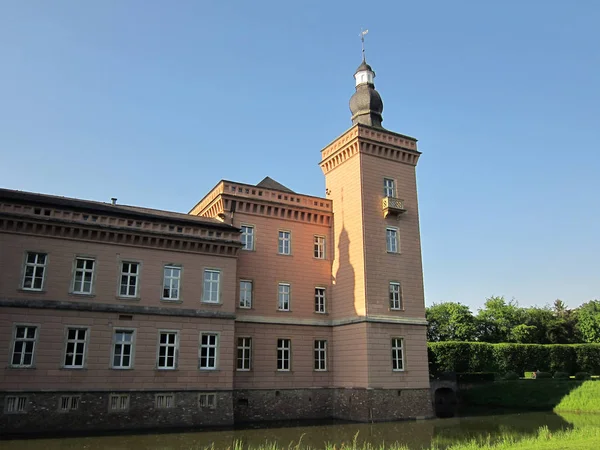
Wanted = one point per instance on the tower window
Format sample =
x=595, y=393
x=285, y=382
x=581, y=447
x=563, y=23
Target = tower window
x=247, y=237
x=284, y=354
x=397, y=354
x=392, y=243
x=395, y=295
x=283, y=301
x=245, y=294
x=389, y=187
x=320, y=300
x=320, y=355
x=285, y=243
x=35, y=269
x=319, y=247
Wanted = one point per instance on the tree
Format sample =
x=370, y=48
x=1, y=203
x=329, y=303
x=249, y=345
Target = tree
x=450, y=322
x=497, y=319
x=588, y=321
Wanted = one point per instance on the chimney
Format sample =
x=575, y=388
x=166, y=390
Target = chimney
x=113, y=200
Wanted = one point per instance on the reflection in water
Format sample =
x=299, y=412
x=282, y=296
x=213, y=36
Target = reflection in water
x=414, y=434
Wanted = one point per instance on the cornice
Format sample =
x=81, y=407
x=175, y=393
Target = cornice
x=332, y=323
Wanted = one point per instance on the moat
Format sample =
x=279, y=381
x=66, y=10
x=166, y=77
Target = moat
x=414, y=434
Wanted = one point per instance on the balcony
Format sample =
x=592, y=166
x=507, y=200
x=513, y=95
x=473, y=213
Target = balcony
x=393, y=206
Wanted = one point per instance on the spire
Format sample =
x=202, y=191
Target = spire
x=366, y=104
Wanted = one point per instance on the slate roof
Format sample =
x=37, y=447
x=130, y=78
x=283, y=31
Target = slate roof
x=270, y=183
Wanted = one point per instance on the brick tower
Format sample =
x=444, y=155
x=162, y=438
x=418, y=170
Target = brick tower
x=378, y=306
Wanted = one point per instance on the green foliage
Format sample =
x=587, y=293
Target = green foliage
x=508, y=376
x=561, y=376
x=543, y=375
x=475, y=377
x=588, y=321
x=585, y=398
x=450, y=322
x=519, y=358
x=582, y=376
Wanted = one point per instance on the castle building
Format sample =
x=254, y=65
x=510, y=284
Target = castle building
x=259, y=304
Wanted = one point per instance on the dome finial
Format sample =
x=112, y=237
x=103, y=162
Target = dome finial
x=362, y=40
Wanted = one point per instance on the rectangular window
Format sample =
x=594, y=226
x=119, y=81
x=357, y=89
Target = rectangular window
x=212, y=281
x=123, y=349
x=83, y=276
x=14, y=404
x=395, y=296
x=244, y=353
x=397, y=354
x=320, y=300
x=24, y=346
x=69, y=403
x=167, y=350
x=245, y=294
x=247, y=237
x=319, y=247
x=35, y=270
x=285, y=241
x=389, y=188
x=283, y=303
x=284, y=353
x=129, y=279
x=208, y=350
x=392, y=240
x=118, y=402
x=171, y=282
x=208, y=401
x=75, y=348
x=321, y=355
x=164, y=401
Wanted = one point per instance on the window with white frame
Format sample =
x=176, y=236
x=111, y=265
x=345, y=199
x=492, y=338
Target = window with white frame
x=69, y=403
x=284, y=354
x=389, y=188
x=75, y=348
x=395, y=295
x=245, y=294
x=209, y=343
x=24, y=343
x=320, y=300
x=35, y=270
x=118, y=402
x=320, y=355
x=208, y=401
x=167, y=350
x=171, y=282
x=244, y=353
x=212, y=282
x=397, y=354
x=164, y=401
x=123, y=349
x=130, y=277
x=283, y=297
x=14, y=404
x=83, y=275
x=392, y=239
x=319, y=247
x=247, y=237
x=285, y=243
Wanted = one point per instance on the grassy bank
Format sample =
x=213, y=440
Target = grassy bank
x=584, y=399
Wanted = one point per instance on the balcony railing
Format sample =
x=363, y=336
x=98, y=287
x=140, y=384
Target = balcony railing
x=392, y=205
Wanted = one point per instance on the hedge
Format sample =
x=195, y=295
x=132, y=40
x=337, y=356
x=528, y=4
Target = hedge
x=520, y=358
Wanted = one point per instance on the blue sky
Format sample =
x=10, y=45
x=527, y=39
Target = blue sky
x=154, y=102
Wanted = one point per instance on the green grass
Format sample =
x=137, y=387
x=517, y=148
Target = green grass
x=586, y=398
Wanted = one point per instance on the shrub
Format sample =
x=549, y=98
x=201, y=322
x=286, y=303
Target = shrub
x=582, y=376
x=475, y=377
x=529, y=374
x=543, y=375
x=561, y=376
x=511, y=376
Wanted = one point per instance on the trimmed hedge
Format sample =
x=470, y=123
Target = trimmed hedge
x=520, y=358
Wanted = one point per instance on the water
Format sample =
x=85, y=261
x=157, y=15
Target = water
x=415, y=434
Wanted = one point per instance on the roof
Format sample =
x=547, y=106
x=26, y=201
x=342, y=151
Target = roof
x=270, y=183
x=109, y=208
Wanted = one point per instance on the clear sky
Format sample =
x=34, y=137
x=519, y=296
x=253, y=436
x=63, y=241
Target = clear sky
x=154, y=102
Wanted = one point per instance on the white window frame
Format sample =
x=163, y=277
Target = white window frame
x=169, y=280
x=395, y=296
x=16, y=404
x=284, y=354
x=77, y=342
x=284, y=242
x=389, y=190
x=398, y=350
x=33, y=340
x=207, y=400
x=320, y=354
x=67, y=403
x=208, y=346
x=35, y=265
x=319, y=247
x=164, y=400
x=116, y=342
x=320, y=300
x=248, y=237
x=129, y=274
x=284, y=290
x=246, y=294
x=244, y=354
x=119, y=402
x=83, y=272
x=392, y=240
x=174, y=346
x=213, y=296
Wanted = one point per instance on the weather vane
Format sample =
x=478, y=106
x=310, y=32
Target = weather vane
x=362, y=40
